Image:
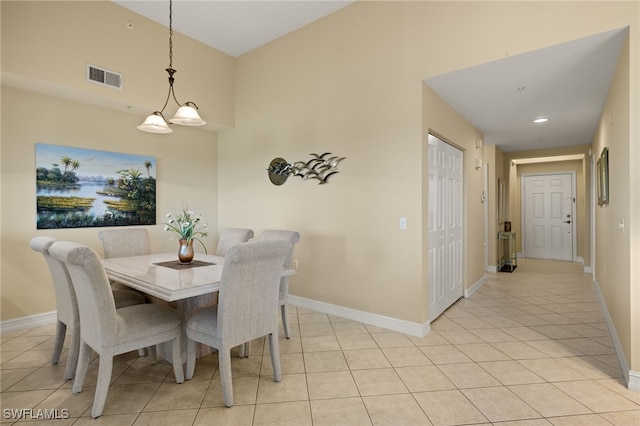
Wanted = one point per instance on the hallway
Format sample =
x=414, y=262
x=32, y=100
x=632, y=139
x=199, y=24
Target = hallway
x=528, y=348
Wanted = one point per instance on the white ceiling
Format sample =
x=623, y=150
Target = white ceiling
x=235, y=26
x=568, y=83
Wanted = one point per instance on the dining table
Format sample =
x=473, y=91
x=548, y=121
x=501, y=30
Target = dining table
x=186, y=287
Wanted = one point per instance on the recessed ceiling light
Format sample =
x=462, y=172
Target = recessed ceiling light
x=540, y=120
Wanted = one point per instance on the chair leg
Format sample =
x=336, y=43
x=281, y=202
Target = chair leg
x=102, y=386
x=191, y=358
x=153, y=354
x=224, y=361
x=274, y=348
x=61, y=330
x=285, y=319
x=176, y=357
x=81, y=370
x=72, y=357
x=244, y=350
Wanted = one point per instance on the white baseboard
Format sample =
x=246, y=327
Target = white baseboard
x=586, y=269
x=468, y=292
x=492, y=268
x=394, y=324
x=401, y=326
x=634, y=380
x=631, y=378
x=578, y=259
x=30, y=321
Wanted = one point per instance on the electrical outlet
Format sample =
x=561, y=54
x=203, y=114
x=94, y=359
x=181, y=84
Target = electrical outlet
x=295, y=264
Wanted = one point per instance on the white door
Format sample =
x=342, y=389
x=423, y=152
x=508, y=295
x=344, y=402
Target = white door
x=548, y=216
x=445, y=226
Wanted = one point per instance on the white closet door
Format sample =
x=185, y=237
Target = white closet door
x=454, y=224
x=445, y=229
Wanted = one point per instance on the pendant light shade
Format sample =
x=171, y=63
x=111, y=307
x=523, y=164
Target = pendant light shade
x=155, y=124
x=187, y=114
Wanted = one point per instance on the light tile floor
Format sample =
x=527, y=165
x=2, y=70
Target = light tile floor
x=529, y=348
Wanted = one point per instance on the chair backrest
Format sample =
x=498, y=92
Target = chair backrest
x=95, y=300
x=277, y=234
x=66, y=303
x=248, y=298
x=125, y=242
x=230, y=237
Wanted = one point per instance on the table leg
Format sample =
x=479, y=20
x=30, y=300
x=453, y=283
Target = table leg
x=186, y=308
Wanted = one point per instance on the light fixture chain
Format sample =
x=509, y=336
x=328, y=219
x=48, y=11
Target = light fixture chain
x=170, y=70
x=170, y=34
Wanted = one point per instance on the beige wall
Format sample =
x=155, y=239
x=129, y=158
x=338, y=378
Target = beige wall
x=45, y=46
x=494, y=157
x=28, y=118
x=617, y=252
x=350, y=84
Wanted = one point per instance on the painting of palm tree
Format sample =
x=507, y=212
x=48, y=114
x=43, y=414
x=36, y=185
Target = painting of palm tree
x=78, y=188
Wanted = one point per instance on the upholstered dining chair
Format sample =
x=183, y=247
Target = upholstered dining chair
x=110, y=331
x=67, y=305
x=123, y=243
x=283, y=295
x=245, y=309
x=230, y=237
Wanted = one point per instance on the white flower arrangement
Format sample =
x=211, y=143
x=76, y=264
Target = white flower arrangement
x=187, y=225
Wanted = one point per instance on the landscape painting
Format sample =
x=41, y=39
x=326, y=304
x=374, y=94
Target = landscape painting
x=79, y=188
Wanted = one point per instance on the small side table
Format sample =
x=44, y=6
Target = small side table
x=507, y=255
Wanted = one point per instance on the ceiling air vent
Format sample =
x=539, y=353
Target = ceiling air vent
x=104, y=77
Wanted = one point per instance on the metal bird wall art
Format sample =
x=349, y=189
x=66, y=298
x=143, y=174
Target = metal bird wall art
x=321, y=167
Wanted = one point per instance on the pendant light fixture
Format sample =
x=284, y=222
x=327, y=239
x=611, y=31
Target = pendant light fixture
x=187, y=114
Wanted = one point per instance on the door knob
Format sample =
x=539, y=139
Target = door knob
x=567, y=221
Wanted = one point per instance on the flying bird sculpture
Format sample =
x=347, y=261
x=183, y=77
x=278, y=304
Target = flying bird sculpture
x=320, y=167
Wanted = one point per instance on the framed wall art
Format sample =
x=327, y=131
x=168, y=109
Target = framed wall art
x=602, y=181
x=79, y=188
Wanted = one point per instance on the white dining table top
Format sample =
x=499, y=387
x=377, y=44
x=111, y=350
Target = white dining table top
x=143, y=273
x=167, y=283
